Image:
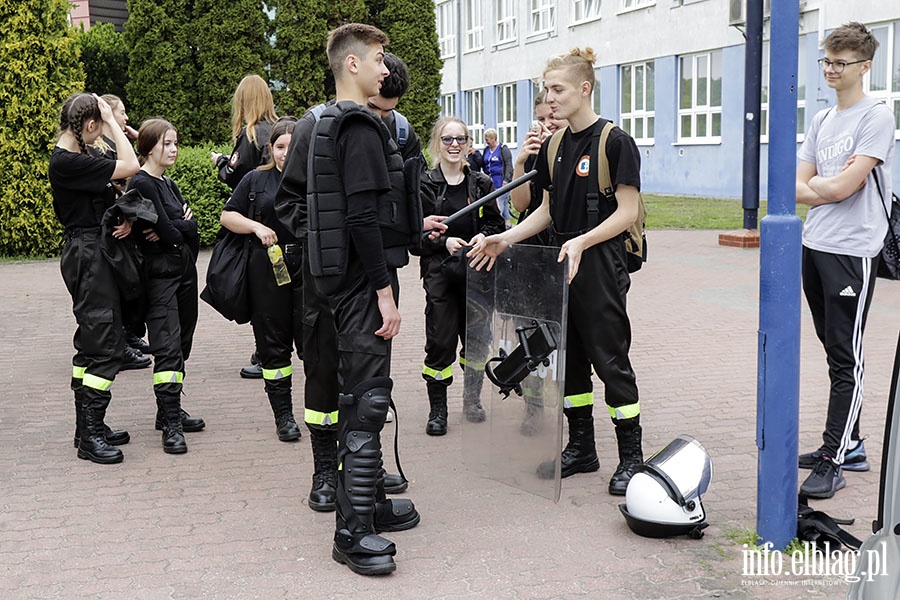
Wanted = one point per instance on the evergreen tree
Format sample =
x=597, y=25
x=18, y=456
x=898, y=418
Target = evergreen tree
x=300, y=65
x=38, y=51
x=410, y=24
x=105, y=59
x=162, y=72
x=230, y=41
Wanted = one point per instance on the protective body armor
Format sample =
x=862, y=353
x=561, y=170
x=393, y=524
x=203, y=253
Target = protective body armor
x=399, y=211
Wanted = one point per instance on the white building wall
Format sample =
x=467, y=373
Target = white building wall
x=659, y=33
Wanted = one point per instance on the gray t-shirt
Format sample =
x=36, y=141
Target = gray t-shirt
x=856, y=226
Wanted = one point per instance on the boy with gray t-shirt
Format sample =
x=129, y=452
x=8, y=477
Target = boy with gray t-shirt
x=847, y=149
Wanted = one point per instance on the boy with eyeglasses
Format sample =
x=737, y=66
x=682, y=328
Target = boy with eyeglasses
x=844, y=174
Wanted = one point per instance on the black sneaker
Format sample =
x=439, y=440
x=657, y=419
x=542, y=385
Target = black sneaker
x=854, y=460
x=252, y=372
x=824, y=481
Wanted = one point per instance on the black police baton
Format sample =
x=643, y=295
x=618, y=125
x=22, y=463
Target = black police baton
x=489, y=198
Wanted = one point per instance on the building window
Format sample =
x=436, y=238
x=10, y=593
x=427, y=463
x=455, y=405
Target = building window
x=506, y=21
x=474, y=24
x=883, y=80
x=633, y=4
x=543, y=16
x=700, y=97
x=595, y=94
x=446, y=28
x=637, y=116
x=475, y=112
x=585, y=10
x=506, y=114
x=448, y=105
x=764, y=95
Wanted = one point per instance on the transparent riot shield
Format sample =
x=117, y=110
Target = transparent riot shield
x=515, y=365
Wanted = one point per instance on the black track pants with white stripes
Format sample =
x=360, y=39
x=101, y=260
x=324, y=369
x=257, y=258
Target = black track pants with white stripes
x=839, y=290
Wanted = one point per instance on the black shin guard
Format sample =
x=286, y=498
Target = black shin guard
x=361, y=419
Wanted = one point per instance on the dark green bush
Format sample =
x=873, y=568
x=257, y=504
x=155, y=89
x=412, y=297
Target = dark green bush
x=196, y=178
x=40, y=69
x=105, y=59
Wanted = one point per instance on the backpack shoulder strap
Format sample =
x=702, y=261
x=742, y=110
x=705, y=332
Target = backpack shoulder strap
x=401, y=127
x=553, y=150
x=317, y=111
x=603, y=176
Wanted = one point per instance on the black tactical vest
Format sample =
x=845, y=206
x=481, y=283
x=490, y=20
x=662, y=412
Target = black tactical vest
x=399, y=211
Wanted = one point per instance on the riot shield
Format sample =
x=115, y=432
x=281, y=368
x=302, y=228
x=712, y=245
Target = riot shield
x=515, y=358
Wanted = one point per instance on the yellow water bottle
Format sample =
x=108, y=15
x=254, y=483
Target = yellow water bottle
x=282, y=276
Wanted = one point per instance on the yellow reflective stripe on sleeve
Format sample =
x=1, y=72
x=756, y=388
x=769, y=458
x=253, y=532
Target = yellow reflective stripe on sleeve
x=586, y=399
x=445, y=373
x=96, y=383
x=314, y=417
x=279, y=373
x=629, y=411
x=168, y=377
x=78, y=372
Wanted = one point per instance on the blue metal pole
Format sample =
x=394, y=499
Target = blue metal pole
x=778, y=386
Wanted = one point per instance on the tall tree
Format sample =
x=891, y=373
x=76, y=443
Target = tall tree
x=38, y=51
x=410, y=24
x=105, y=59
x=300, y=66
x=162, y=74
x=230, y=42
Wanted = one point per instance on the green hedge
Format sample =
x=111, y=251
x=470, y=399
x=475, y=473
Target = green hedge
x=195, y=175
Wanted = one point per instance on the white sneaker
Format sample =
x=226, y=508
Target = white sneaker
x=390, y=417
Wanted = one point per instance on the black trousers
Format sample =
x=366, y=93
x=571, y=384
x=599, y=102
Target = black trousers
x=98, y=339
x=275, y=316
x=362, y=355
x=839, y=290
x=171, y=284
x=320, y=355
x=599, y=332
x=445, y=320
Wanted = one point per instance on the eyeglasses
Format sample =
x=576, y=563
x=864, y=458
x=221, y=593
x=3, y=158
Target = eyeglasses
x=838, y=65
x=459, y=139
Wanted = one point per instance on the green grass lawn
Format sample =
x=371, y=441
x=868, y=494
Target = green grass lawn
x=686, y=212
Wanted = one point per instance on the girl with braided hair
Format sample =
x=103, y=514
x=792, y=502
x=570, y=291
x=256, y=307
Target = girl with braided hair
x=80, y=183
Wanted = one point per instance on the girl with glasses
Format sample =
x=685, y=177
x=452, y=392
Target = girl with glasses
x=448, y=187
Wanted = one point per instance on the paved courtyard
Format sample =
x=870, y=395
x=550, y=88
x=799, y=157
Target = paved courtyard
x=229, y=520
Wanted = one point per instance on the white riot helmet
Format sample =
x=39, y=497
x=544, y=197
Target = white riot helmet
x=663, y=496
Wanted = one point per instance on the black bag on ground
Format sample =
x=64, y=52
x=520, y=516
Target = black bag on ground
x=227, y=285
x=823, y=531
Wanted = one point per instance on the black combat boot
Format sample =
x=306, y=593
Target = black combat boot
x=472, y=408
x=114, y=437
x=396, y=514
x=172, y=428
x=92, y=444
x=361, y=418
x=579, y=455
x=189, y=424
x=437, y=415
x=628, y=437
x=283, y=409
x=324, y=480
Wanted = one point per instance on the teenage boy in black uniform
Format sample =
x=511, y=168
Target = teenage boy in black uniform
x=364, y=304
x=320, y=346
x=599, y=332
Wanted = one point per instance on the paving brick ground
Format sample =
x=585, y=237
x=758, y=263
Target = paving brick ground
x=229, y=520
